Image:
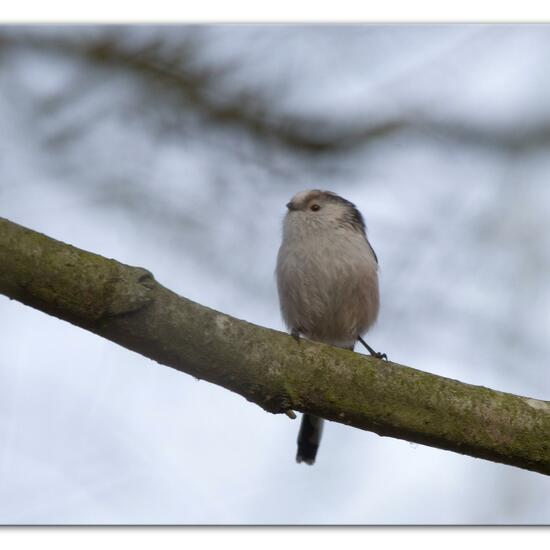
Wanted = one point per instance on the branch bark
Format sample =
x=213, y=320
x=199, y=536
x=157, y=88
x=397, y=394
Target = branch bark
x=126, y=305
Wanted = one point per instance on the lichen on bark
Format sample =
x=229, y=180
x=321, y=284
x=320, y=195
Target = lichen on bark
x=126, y=305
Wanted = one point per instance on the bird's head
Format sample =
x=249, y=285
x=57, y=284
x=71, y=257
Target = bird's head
x=317, y=208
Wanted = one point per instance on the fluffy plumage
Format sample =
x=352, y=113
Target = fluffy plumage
x=327, y=281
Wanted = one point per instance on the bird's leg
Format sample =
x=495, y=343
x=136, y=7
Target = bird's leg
x=376, y=354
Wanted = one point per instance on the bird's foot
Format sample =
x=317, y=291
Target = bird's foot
x=376, y=354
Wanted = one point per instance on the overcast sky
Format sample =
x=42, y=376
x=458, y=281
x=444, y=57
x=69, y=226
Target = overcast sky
x=457, y=209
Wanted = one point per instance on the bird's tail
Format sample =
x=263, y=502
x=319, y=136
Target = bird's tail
x=309, y=438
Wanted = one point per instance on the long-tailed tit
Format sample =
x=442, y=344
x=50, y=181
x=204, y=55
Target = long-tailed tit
x=327, y=278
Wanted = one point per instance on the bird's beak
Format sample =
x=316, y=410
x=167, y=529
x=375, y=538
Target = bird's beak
x=291, y=206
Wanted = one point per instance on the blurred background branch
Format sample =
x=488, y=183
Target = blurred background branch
x=174, y=74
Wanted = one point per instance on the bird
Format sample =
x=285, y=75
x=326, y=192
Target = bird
x=327, y=282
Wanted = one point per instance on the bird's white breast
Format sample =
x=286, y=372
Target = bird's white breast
x=328, y=282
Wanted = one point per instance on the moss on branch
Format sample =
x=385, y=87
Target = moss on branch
x=126, y=305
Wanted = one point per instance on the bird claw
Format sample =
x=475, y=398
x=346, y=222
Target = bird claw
x=376, y=354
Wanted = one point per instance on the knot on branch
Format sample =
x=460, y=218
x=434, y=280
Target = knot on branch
x=130, y=290
x=276, y=404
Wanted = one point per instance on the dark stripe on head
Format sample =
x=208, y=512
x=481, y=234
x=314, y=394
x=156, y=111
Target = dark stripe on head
x=352, y=217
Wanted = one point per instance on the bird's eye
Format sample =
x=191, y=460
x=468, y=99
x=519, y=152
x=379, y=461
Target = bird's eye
x=315, y=207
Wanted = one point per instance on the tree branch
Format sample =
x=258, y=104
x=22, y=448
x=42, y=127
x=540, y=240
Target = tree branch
x=179, y=75
x=126, y=305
